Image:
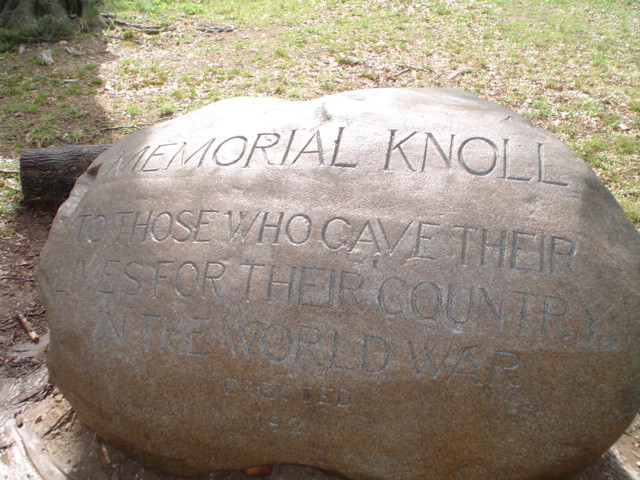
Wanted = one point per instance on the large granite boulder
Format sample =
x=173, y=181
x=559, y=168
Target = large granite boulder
x=387, y=284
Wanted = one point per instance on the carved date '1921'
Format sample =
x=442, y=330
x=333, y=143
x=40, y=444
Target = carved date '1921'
x=291, y=425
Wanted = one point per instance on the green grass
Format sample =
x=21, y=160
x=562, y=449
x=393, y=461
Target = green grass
x=10, y=194
x=140, y=75
x=568, y=65
x=626, y=144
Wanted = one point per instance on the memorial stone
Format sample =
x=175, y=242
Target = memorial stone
x=387, y=284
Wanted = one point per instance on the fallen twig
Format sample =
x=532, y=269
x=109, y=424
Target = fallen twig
x=136, y=127
x=12, y=277
x=214, y=28
x=123, y=39
x=15, y=187
x=106, y=129
x=27, y=328
x=10, y=172
x=4, y=446
x=150, y=29
x=408, y=68
x=412, y=67
x=64, y=418
x=106, y=461
x=401, y=72
x=464, y=71
x=40, y=394
x=261, y=471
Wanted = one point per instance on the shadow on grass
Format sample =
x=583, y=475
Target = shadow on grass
x=48, y=94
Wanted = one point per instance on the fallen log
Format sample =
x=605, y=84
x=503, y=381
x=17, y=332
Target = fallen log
x=49, y=174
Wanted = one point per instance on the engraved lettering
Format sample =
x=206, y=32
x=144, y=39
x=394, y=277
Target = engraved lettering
x=428, y=361
x=541, y=170
x=78, y=268
x=420, y=236
x=342, y=241
x=201, y=222
x=496, y=313
x=103, y=319
x=516, y=246
x=268, y=347
x=284, y=283
x=98, y=226
x=159, y=276
x=122, y=216
x=414, y=301
x=165, y=339
x=185, y=226
x=230, y=155
x=493, y=155
x=524, y=309
x=472, y=367
x=191, y=333
x=240, y=227
x=288, y=149
x=242, y=343
x=398, y=146
x=104, y=275
x=161, y=237
x=465, y=242
x=334, y=355
x=375, y=366
x=392, y=246
x=305, y=236
x=183, y=285
x=144, y=225
x=336, y=149
x=382, y=298
x=308, y=344
x=150, y=318
x=550, y=317
x=206, y=276
x=344, y=288
x=505, y=165
x=275, y=138
x=565, y=257
x=155, y=153
x=120, y=164
x=250, y=277
x=366, y=236
x=446, y=159
x=504, y=362
x=79, y=231
x=593, y=320
x=303, y=288
x=318, y=150
x=450, y=306
x=275, y=226
x=184, y=159
x=501, y=245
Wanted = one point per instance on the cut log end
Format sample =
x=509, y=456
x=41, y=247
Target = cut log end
x=49, y=174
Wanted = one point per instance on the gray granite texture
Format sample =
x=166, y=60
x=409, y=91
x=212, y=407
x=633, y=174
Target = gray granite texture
x=387, y=284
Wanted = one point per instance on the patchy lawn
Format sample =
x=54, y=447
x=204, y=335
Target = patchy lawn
x=573, y=67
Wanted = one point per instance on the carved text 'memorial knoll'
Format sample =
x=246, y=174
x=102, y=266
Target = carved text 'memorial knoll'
x=388, y=284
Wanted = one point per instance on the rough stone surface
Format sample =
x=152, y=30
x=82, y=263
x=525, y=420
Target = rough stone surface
x=386, y=284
